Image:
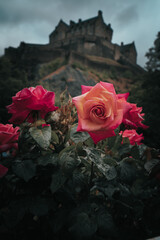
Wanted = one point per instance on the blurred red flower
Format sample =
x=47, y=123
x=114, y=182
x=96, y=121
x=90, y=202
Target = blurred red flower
x=133, y=136
x=134, y=117
x=8, y=137
x=8, y=140
x=31, y=103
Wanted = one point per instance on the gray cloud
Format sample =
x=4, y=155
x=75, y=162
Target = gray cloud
x=18, y=11
x=127, y=16
x=34, y=20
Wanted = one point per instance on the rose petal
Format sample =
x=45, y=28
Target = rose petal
x=123, y=95
x=108, y=86
x=85, y=88
x=8, y=146
x=100, y=135
x=133, y=136
x=39, y=92
x=20, y=117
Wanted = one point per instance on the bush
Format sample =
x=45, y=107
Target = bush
x=61, y=185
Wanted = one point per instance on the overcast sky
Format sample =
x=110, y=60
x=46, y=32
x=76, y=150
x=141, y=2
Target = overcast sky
x=32, y=21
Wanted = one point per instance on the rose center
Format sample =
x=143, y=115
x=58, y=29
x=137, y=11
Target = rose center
x=99, y=111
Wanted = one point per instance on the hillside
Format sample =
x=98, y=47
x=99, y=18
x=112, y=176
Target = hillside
x=72, y=76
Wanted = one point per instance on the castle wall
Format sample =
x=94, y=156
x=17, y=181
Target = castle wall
x=132, y=56
x=117, y=53
x=88, y=46
x=90, y=37
x=30, y=52
x=100, y=29
x=59, y=33
x=90, y=29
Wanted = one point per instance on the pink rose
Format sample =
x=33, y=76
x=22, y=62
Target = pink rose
x=30, y=101
x=134, y=117
x=100, y=111
x=133, y=136
x=8, y=137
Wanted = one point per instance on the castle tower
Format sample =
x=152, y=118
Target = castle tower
x=95, y=27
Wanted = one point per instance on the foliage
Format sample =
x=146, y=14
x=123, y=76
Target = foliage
x=128, y=74
x=12, y=80
x=47, y=68
x=63, y=186
x=146, y=93
x=79, y=65
x=153, y=55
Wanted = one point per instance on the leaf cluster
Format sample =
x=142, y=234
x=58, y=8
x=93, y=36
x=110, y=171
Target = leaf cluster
x=79, y=191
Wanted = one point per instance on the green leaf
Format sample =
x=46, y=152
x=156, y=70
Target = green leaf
x=68, y=162
x=111, y=142
x=79, y=149
x=117, y=143
x=114, y=143
x=135, y=153
x=105, y=223
x=149, y=165
x=124, y=148
x=128, y=171
x=41, y=135
x=83, y=227
x=54, y=137
x=79, y=181
x=89, y=142
x=95, y=156
x=67, y=150
x=110, y=189
x=109, y=160
x=16, y=211
x=137, y=187
x=78, y=136
x=58, y=179
x=25, y=169
x=48, y=159
x=142, y=148
x=58, y=220
x=39, y=206
x=110, y=173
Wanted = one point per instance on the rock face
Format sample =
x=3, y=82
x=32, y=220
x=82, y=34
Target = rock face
x=70, y=78
x=91, y=37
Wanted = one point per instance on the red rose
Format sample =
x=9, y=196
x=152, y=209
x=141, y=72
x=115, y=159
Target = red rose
x=29, y=101
x=8, y=137
x=133, y=136
x=100, y=111
x=134, y=117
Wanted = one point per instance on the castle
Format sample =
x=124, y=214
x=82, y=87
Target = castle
x=92, y=37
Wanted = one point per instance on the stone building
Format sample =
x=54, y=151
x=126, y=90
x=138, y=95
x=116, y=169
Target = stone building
x=88, y=37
